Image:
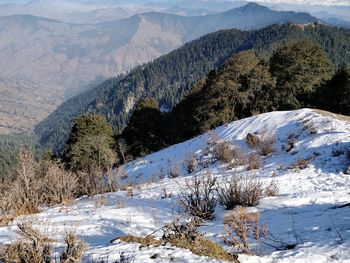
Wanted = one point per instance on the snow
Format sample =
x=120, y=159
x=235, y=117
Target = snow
x=306, y=211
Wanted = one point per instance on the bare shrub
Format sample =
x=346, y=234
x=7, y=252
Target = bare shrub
x=271, y=189
x=173, y=171
x=58, y=185
x=34, y=246
x=74, y=249
x=224, y=151
x=240, y=191
x=290, y=142
x=242, y=227
x=264, y=143
x=254, y=162
x=198, y=197
x=300, y=164
x=310, y=127
x=37, y=183
x=191, y=163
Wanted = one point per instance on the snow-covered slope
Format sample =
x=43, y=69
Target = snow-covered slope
x=307, y=208
x=307, y=2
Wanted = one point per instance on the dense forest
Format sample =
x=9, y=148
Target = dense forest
x=170, y=77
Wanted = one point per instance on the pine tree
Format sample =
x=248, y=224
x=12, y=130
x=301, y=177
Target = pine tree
x=90, y=145
x=300, y=68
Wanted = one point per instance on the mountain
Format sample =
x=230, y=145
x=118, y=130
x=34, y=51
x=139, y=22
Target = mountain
x=71, y=55
x=308, y=2
x=24, y=103
x=171, y=76
x=64, y=56
x=305, y=215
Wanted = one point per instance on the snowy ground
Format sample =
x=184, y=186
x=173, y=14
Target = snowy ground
x=305, y=212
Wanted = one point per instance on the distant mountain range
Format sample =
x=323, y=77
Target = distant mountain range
x=64, y=56
x=71, y=55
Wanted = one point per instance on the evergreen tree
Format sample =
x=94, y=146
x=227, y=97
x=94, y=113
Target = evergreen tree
x=335, y=96
x=300, y=68
x=90, y=145
x=143, y=134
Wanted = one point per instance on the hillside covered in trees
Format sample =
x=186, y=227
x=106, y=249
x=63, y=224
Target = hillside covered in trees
x=297, y=75
x=170, y=77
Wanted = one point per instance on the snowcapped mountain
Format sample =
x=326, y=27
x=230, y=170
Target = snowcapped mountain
x=307, y=2
x=311, y=209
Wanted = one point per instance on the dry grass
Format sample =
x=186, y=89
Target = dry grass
x=242, y=227
x=185, y=235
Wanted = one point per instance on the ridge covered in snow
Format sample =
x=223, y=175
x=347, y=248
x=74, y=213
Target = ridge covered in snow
x=309, y=209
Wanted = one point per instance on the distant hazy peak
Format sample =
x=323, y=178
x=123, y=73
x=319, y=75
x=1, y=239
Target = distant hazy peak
x=308, y=2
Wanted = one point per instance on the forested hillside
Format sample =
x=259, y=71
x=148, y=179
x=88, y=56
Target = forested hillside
x=171, y=76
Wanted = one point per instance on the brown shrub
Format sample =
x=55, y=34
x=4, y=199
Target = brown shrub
x=191, y=163
x=198, y=198
x=271, y=189
x=173, y=171
x=224, y=151
x=266, y=144
x=263, y=143
x=300, y=164
x=240, y=191
x=74, y=250
x=240, y=227
x=35, y=184
x=34, y=246
x=254, y=162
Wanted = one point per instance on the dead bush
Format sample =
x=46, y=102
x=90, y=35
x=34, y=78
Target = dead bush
x=173, y=171
x=58, y=185
x=35, y=184
x=300, y=164
x=264, y=143
x=271, y=189
x=198, y=198
x=241, y=228
x=240, y=191
x=34, y=246
x=74, y=249
x=290, y=142
x=254, y=162
x=191, y=163
x=224, y=151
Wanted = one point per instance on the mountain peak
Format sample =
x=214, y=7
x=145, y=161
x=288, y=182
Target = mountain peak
x=252, y=6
